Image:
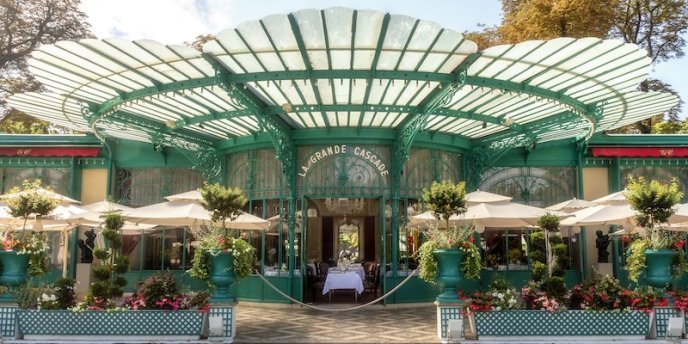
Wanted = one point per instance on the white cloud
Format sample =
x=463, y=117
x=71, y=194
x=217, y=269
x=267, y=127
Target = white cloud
x=167, y=21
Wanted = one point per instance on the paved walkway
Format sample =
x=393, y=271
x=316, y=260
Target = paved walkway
x=375, y=324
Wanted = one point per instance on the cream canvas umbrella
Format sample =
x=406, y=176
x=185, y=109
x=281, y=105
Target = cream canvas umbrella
x=172, y=213
x=193, y=195
x=54, y=195
x=106, y=207
x=63, y=218
x=485, y=209
x=614, y=209
x=246, y=221
x=501, y=215
x=185, y=209
x=614, y=198
x=602, y=214
x=571, y=205
x=485, y=197
x=426, y=219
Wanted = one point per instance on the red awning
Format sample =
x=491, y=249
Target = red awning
x=640, y=152
x=49, y=151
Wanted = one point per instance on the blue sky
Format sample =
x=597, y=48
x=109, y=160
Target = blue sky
x=178, y=21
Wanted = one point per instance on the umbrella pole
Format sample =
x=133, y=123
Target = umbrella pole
x=65, y=239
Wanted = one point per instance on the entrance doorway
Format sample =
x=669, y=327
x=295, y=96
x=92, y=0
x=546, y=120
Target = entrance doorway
x=342, y=237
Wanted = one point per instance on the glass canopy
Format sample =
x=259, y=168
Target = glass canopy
x=342, y=68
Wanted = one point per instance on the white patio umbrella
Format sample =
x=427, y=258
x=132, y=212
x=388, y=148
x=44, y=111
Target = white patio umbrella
x=172, y=213
x=602, y=214
x=106, y=207
x=193, y=195
x=485, y=197
x=63, y=218
x=571, y=205
x=185, y=209
x=614, y=209
x=426, y=219
x=62, y=198
x=502, y=215
x=246, y=221
x=613, y=198
x=485, y=209
x=680, y=214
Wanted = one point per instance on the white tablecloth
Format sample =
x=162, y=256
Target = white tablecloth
x=357, y=269
x=343, y=280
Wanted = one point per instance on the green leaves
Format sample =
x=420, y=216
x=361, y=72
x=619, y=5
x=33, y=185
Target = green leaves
x=222, y=202
x=549, y=222
x=446, y=199
x=32, y=200
x=653, y=200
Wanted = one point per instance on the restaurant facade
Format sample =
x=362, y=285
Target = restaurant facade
x=332, y=122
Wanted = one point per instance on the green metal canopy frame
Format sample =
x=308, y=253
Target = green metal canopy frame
x=340, y=69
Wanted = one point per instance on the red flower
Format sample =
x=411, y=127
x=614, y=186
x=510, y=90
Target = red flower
x=680, y=244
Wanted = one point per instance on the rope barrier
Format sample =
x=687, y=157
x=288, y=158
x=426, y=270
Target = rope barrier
x=337, y=309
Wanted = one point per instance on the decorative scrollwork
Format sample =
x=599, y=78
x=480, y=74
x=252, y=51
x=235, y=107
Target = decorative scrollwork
x=598, y=112
x=279, y=135
x=209, y=162
x=477, y=162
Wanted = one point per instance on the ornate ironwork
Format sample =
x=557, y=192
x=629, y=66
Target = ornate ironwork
x=209, y=162
x=475, y=164
x=278, y=132
x=144, y=186
x=57, y=178
x=536, y=186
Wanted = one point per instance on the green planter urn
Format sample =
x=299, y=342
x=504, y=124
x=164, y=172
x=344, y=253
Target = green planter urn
x=449, y=274
x=14, y=268
x=222, y=276
x=658, y=267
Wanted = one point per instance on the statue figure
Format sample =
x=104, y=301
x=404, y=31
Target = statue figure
x=87, y=246
x=601, y=243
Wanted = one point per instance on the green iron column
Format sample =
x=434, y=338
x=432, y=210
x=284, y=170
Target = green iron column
x=582, y=148
x=614, y=174
x=402, y=148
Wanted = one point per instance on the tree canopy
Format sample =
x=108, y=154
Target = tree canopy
x=26, y=25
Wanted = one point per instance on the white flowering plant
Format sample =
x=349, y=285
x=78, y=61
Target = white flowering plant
x=35, y=245
x=223, y=203
x=47, y=301
x=215, y=243
x=504, y=300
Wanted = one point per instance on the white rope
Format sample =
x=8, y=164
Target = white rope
x=337, y=309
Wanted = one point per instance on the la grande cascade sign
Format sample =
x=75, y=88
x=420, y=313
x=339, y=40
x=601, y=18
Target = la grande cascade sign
x=344, y=149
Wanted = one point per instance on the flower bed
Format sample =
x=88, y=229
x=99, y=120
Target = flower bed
x=562, y=323
x=141, y=324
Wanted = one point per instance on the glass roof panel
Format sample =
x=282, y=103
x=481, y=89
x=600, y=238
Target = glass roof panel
x=523, y=83
x=339, y=27
x=368, y=28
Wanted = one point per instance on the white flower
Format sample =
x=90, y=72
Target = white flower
x=500, y=295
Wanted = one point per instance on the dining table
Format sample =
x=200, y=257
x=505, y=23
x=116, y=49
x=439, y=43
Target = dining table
x=349, y=280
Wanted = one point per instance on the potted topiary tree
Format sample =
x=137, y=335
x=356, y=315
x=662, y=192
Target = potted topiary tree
x=449, y=254
x=26, y=252
x=655, y=253
x=220, y=257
